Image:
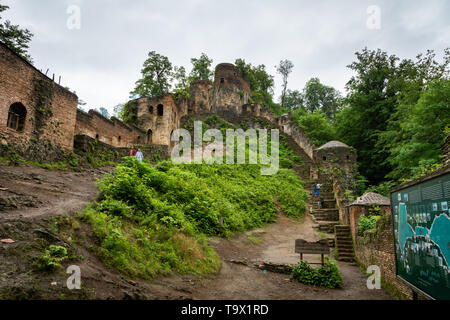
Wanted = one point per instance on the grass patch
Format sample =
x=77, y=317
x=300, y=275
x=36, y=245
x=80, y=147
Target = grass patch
x=154, y=220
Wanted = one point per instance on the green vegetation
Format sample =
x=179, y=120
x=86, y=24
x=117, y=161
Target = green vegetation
x=327, y=275
x=318, y=126
x=367, y=223
x=153, y=220
x=52, y=258
x=14, y=37
x=261, y=83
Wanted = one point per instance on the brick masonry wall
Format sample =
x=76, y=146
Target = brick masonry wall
x=161, y=126
x=51, y=109
x=378, y=249
x=110, y=131
x=85, y=144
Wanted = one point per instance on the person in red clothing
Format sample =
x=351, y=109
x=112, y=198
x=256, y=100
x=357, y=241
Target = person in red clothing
x=132, y=152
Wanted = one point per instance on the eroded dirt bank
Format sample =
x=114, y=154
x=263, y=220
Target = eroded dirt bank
x=37, y=207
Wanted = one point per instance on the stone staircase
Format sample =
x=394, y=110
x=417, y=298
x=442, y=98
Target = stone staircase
x=344, y=243
x=327, y=219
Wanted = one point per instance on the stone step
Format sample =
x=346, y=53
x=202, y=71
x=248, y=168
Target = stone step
x=327, y=226
x=341, y=246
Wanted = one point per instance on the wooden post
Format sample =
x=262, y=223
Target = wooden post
x=301, y=256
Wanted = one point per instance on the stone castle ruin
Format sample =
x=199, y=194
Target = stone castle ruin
x=40, y=120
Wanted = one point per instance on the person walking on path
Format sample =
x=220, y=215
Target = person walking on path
x=139, y=155
x=132, y=152
x=318, y=189
x=315, y=189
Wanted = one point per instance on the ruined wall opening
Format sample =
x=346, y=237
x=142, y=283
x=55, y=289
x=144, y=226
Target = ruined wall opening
x=149, y=136
x=16, y=116
x=150, y=109
x=222, y=80
x=96, y=136
x=160, y=110
x=119, y=138
x=138, y=139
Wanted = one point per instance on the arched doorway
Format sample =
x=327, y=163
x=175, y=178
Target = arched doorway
x=149, y=136
x=16, y=116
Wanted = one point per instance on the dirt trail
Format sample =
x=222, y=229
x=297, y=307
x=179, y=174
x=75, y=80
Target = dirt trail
x=30, y=196
x=240, y=279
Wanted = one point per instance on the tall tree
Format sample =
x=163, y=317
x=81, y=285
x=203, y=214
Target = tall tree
x=156, y=78
x=14, y=37
x=182, y=84
x=294, y=99
x=371, y=99
x=284, y=68
x=201, y=69
x=319, y=96
x=261, y=83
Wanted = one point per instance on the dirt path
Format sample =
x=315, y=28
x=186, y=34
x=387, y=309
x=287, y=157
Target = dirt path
x=30, y=196
x=240, y=279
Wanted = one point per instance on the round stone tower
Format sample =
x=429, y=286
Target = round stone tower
x=231, y=91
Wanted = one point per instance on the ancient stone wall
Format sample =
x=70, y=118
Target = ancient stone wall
x=32, y=106
x=200, y=97
x=85, y=145
x=110, y=131
x=299, y=136
x=231, y=91
x=158, y=117
x=378, y=249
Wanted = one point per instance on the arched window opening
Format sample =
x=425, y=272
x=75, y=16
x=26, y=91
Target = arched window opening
x=150, y=109
x=16, y=116
x=138, y=139
x=324, y=158
x=348, y=157
x=149, y=136
x=222, y=80
x=119, y=138
x=160, y=110
x=96, y=136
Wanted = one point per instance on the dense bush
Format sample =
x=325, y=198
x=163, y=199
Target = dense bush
x=367, y=223
x=153, y=220
x=327, y=275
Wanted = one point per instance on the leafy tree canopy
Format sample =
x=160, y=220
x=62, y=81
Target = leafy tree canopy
x=156, y=78
x=201, y=69
x=14, y=37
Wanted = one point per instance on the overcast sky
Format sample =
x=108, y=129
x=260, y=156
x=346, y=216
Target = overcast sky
x=102, y=60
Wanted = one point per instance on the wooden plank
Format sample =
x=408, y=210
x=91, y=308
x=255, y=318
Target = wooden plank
x=319, y=247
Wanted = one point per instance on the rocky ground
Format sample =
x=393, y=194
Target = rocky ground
x=37, y=208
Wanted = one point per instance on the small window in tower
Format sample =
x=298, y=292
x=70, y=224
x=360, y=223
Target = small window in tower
x=324, y=158
x=119, y=138
x=160, y=110
x=150, y=109
x=222, y=80
x=348, y=157
x=96, y=136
